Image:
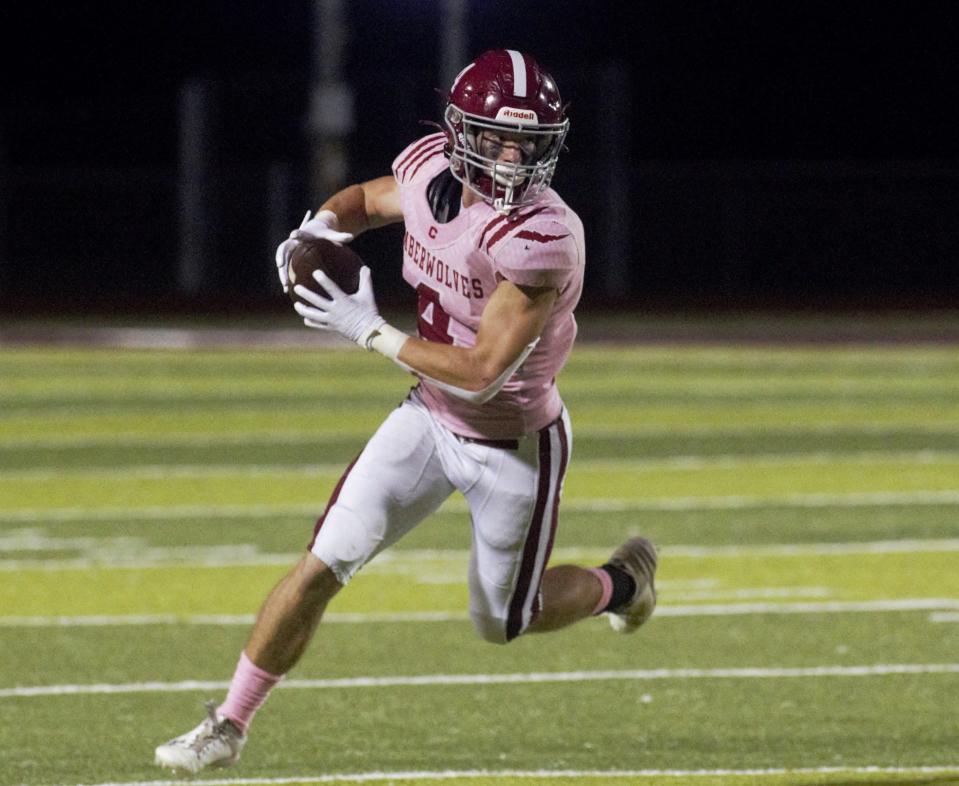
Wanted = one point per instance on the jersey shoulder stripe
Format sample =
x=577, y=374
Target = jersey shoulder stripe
x=536, y=237
x=495, y=222
x=415, y=153
x=511, y=224
x=414, y=147
x=426, y=156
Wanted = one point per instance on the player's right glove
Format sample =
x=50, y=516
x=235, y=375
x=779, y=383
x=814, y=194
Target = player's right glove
x=355, y=317
x=321, y=226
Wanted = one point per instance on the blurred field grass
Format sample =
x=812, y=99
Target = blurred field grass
x=179, y=483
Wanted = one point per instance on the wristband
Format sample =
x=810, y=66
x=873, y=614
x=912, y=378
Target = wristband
x=388, y=341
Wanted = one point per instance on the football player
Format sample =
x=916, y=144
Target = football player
x=496, y=258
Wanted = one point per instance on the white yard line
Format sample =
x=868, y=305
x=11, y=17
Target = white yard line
x=103, y=620
x=162, y=512
x=942, y=610
x=876, y=670
x=107, y=554
x=697, y=462
x=752, y=593
x=448, y=775
x=910, y=546
x=737, y=460
x=617, y=505
x=827, y=607
x=853, y=499
x=194, y=439
x=130, y=561
x=167, y=471
x=200, y=440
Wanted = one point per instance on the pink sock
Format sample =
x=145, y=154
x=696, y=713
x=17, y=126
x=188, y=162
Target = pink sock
x=248, y=690
x=607, y=583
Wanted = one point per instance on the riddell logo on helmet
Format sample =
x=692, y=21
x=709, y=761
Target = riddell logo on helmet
x=523, y=115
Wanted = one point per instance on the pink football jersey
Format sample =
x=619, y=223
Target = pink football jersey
x=454, y=268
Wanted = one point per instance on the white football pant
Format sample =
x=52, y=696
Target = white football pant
x=406, y=471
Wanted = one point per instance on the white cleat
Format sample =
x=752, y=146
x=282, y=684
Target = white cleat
x=214, y=743
x=637, y=557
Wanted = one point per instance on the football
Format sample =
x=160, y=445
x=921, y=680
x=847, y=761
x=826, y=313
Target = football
x=340, y=263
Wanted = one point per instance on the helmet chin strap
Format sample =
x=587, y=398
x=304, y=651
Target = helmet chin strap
x=508, y=183
x=504, y=204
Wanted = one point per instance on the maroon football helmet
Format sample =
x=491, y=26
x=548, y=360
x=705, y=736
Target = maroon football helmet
x=504, y=98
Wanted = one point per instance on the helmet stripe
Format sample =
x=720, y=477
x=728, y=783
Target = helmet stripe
x=519, y=73
x=460, y=76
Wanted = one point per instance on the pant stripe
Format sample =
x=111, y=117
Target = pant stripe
x=332, y=501
x=525, y=603
x=563, y=461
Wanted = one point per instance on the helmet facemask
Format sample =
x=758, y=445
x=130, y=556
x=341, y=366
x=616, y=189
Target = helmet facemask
x=502, y=184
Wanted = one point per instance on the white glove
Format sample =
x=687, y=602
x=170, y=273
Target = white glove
x=321, y=226
x=352, y=316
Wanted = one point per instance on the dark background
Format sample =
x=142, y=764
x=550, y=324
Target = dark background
x=722, y=154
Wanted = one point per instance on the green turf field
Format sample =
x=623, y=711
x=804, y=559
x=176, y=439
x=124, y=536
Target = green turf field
x=805, y=502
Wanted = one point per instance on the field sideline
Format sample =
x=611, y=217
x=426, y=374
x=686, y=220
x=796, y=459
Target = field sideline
x=804, y=497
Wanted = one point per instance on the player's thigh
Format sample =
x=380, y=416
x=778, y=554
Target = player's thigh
x=392, y=485
x=515, y=507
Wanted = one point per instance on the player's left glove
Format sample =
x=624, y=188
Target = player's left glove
x=321, y=226
x=352, y=316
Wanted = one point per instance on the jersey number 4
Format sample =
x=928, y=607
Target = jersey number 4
x=433, y=322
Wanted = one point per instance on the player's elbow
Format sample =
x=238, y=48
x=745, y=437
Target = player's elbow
x=480, y=377
x=476, y=391
x=485, y=380
x=485, y=370
x=489, y=371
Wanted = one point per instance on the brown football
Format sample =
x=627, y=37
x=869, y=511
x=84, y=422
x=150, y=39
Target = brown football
x=340, y=263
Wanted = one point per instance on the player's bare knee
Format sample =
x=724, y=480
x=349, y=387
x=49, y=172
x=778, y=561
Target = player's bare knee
x=314, y=577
